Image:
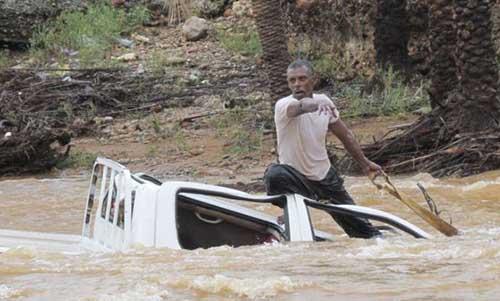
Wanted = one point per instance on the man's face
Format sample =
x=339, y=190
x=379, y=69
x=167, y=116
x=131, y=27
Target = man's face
x=300, y=82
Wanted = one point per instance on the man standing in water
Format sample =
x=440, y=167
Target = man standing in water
x=302, y=122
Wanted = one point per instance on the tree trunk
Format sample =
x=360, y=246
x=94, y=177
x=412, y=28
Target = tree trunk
x=443, y=40
x=478, y=103
x=271, y=28
x=460, y=137
x=392, y=34
x=19, y=17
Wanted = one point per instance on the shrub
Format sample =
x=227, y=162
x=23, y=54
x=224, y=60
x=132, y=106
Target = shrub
x=241, y=127
x=325, y=66
x=240, y=40
x=4, y=59
x=396, y=97
x=90, y=34
x=77, y=159
x=159, y=60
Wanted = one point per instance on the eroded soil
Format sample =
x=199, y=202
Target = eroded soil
x=202, y=154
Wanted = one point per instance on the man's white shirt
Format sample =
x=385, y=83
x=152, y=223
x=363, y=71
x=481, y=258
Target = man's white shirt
x=302, y=139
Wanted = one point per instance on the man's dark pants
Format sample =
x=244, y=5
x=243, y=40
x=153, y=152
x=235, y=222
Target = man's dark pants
x=282, y=179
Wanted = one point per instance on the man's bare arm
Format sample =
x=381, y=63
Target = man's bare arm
x=308, y=105
x=305, y=105
x=352, y=146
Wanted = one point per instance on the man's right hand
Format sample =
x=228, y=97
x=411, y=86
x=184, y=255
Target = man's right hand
x=325, y=107
x=371, y=169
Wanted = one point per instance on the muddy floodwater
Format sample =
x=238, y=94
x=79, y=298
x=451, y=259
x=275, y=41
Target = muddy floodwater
x=397, y=267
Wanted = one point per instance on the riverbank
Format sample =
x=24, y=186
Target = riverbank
x=198, y=150
x=189, y=109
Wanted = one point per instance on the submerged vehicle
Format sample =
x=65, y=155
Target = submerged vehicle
x=124, y=209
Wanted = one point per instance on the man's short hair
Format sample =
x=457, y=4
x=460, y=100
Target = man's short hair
x=302, y=63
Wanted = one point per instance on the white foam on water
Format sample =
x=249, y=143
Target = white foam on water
x=141, y=292
x=430, y=182
x=20, y=252
x=480, y=185
x=405, y=185
x=253, y=288
x=452, y=252
x=385, y=248
x=65, y=179
x=484, y=231
x=45, y=180
x=7, y=293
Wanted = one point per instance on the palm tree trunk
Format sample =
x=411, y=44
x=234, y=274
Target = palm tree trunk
x=443, y=40
x=461, y=137
x=392, y=34
x=271, y=28
x=479, y=105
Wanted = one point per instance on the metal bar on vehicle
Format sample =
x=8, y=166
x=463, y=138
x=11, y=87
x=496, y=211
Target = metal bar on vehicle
x=102, y=193
x=109, y=198
x=119, y=186
x=90, y=201
x=370, y=213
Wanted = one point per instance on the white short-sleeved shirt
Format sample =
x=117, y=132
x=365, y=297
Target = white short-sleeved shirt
x=302, y=139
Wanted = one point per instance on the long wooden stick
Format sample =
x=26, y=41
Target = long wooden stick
x=432, y=219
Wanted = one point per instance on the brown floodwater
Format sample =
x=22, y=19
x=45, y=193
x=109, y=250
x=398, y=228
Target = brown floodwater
x=397, y=267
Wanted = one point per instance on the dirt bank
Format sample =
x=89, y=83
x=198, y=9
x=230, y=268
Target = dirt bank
x=202, y=154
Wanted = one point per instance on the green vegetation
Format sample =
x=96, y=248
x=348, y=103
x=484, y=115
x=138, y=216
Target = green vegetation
x=180, y=140
x=4, y=59
x=77, y=159
x=241, y=128
x=87, y=35
x=241, y=40
x=153, y=151
x=327, y=66
x=386, y=93
x=159, y=60
x=394, y=97
x=330, y=61
x=244, y=141
x=176, y=135
x=156, y=125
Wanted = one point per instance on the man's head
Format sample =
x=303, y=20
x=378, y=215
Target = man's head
x=300, y=77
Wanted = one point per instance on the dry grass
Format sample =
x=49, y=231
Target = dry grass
x=177, y=10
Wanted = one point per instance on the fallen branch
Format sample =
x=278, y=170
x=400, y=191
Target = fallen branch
x=197, y=116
